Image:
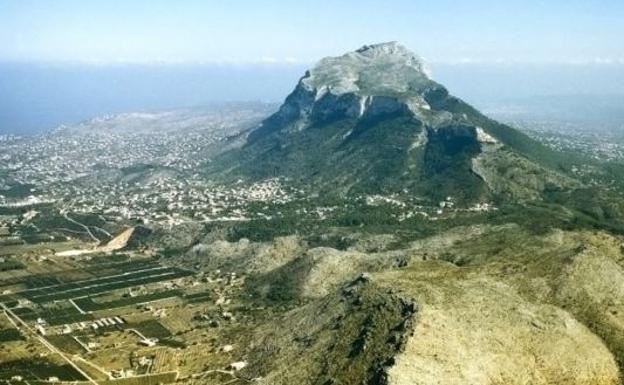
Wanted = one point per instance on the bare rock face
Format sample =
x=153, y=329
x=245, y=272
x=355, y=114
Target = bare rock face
x=591, y=286
x=481, y=332
x=377, y=69
x=374, y=80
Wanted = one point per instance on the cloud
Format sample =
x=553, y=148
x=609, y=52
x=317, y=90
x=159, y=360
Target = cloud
x=601, y=61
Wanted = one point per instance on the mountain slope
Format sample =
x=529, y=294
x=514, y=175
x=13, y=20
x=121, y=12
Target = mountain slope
x=373, y=121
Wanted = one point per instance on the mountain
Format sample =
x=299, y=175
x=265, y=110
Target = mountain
x=373, y=121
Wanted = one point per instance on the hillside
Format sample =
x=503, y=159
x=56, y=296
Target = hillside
x=475, y=305
x=373, y=121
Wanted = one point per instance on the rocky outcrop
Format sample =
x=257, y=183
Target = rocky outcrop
x=373, y=81
x=349, y=336
x=480, y=331
x=516, y=313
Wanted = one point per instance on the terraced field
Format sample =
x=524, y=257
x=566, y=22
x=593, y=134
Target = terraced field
x=101, y=285
x=53, y=317
x=88, y=304
x=7, y=335
x=36, y=370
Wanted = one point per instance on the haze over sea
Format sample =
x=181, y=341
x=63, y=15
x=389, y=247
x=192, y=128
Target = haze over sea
x=37, y=97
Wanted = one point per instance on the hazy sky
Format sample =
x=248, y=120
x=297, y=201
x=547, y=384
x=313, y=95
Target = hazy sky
x=250, y=31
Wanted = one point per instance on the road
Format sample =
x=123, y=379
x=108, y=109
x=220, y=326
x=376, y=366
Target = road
x=83, y=226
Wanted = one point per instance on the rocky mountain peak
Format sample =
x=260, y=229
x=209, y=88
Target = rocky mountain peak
x=390, y=48
x=384, y=69
x=376, y=79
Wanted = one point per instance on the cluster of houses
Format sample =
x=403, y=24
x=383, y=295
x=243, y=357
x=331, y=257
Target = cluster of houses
x=104, y=322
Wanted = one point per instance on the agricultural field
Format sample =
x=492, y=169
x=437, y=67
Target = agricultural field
x=109, y=318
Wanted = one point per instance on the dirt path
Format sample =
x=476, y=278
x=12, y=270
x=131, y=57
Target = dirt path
x=96, y=239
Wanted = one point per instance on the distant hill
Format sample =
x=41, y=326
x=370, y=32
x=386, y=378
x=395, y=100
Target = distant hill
x=224, y=118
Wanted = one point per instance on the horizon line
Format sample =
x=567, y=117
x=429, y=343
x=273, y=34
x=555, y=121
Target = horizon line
x=268, y=61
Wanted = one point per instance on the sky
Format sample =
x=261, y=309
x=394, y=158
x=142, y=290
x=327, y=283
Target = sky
x=287, y=32
x=63, y=61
